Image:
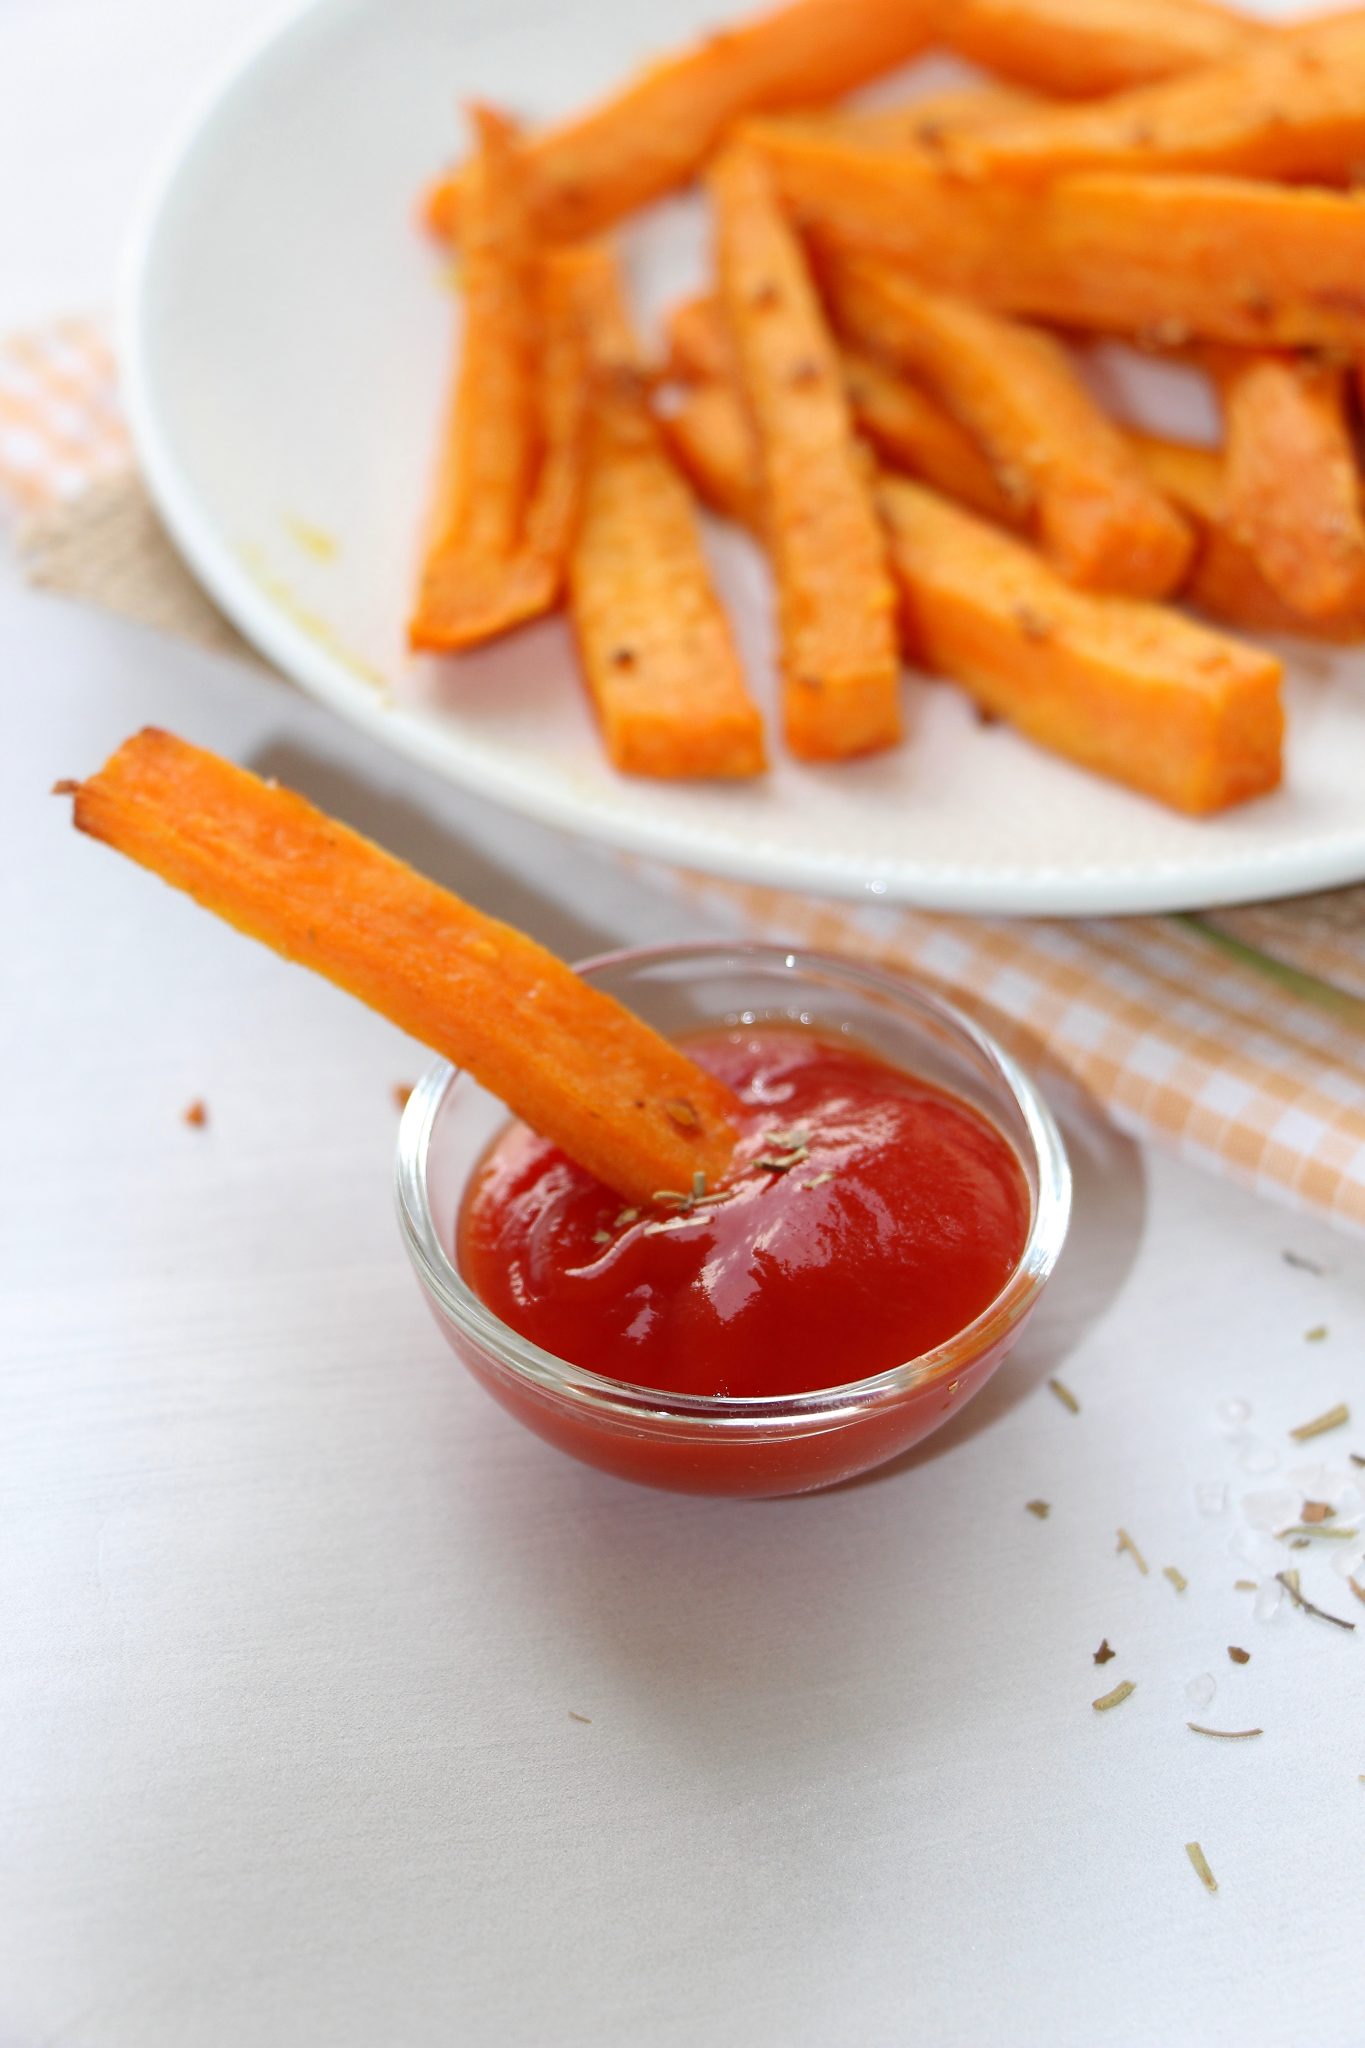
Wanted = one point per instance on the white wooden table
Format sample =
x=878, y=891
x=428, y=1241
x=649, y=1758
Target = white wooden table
x=294, y=1622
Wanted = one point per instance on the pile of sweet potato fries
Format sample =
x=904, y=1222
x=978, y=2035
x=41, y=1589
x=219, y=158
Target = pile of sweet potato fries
x=886, y=383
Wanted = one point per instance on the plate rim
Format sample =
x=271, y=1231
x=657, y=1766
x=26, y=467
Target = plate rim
x=1153, y=888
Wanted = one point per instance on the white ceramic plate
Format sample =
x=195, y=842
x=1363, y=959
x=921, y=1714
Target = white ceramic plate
x=287, y=337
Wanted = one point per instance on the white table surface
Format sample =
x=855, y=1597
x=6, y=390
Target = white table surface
x=293, y=1621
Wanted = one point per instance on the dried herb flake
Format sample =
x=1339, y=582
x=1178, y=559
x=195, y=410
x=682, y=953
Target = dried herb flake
x=1126, y=1543
x=1066, y=1397
x=1224, y=1734
x=1333, y=1419
x=1201, y=1865
x=1104, y=1653
x=1290, y=1582
x=1041, y=1508
x=1177, y=1578
x=1114, y=1698
x=1238, y=1656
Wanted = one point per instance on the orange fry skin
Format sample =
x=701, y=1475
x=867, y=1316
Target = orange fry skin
x=476, y=579
x=709, y=435
x=1128, y=689
x=1017, y=393
x=836, y=606
x=657, y=130
x=508, y=491
x=1292, y=482
x=1288, y=107
x=1226, y=581
x=658, y=655
x=569, y=1060
x=904, y=424
x=1166, y=258
x=1083, y=48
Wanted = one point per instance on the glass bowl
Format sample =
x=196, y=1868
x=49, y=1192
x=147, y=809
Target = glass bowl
x=777, y=1444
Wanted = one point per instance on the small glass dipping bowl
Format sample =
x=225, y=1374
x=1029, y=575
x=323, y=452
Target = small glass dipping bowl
x=774, y=1444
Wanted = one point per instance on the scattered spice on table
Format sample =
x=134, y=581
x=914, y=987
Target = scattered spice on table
x=1126, y=1543
x=1104, y=1653
x=1201, y=1864
x=1224, y=1734
x=1065, y=1396
x=1316, y=1511
x=1041, y=1508
x=197, y=1115
x=1319, y=1426
x=586, y=1719
x=1114, y=1698
x=1244, y=1585
x=1303, y=1265
x=1290, y=1582
x=401, y=1091
x=1177, y=1578
x=1238, y=1656
x=1316, y=1334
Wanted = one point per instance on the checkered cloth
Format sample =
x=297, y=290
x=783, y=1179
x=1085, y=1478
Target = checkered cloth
x=1235, y=1039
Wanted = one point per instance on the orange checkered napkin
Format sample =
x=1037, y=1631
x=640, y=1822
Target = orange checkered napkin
x=60, y=424
x=1218, y=1036
x=1218, y=1053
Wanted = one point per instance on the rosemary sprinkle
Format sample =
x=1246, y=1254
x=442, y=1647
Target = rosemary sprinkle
x=1066, y=1397
x=1114, y=1698
x=1224, y=1734
x=1126, y=1543
x=1333, y=1419
x=1201, y=1865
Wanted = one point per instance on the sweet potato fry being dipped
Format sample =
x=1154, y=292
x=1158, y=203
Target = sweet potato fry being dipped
x=1189, y=255
x=655, y=133
x=1060, y=459
x=507, y=489
x=1288, y=107
x=657, y=651
x=1292, y=483
x=1083, y=48
x=836, y=608
x=567, y=1059
x=1131, y=690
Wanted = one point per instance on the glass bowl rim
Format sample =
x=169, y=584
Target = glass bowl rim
x=456, y=1300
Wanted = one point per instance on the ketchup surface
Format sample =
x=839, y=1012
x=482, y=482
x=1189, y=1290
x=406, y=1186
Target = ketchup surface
x=870, y=1215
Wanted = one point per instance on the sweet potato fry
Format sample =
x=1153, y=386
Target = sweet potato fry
x=659, y=660
x=1016, y=392
x=906, y=427
x=836, y=607
x=1286, y=107
x=929, y=121
x=1129, y=689
x=508, y=483
x=572, y=1062
x=912, y=431
x=655, y=132
x=1292, y=484
x=711, y=438
x=1081, y=48
x=1226, y=580
x=1164, y=257
x=698, y=345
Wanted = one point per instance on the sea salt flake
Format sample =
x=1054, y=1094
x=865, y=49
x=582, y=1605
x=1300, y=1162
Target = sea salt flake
x=1200, y=1691
x=1269, y=1600
x=1234, y=1413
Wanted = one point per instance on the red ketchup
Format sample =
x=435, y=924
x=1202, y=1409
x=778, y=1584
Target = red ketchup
x=869, y=1217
